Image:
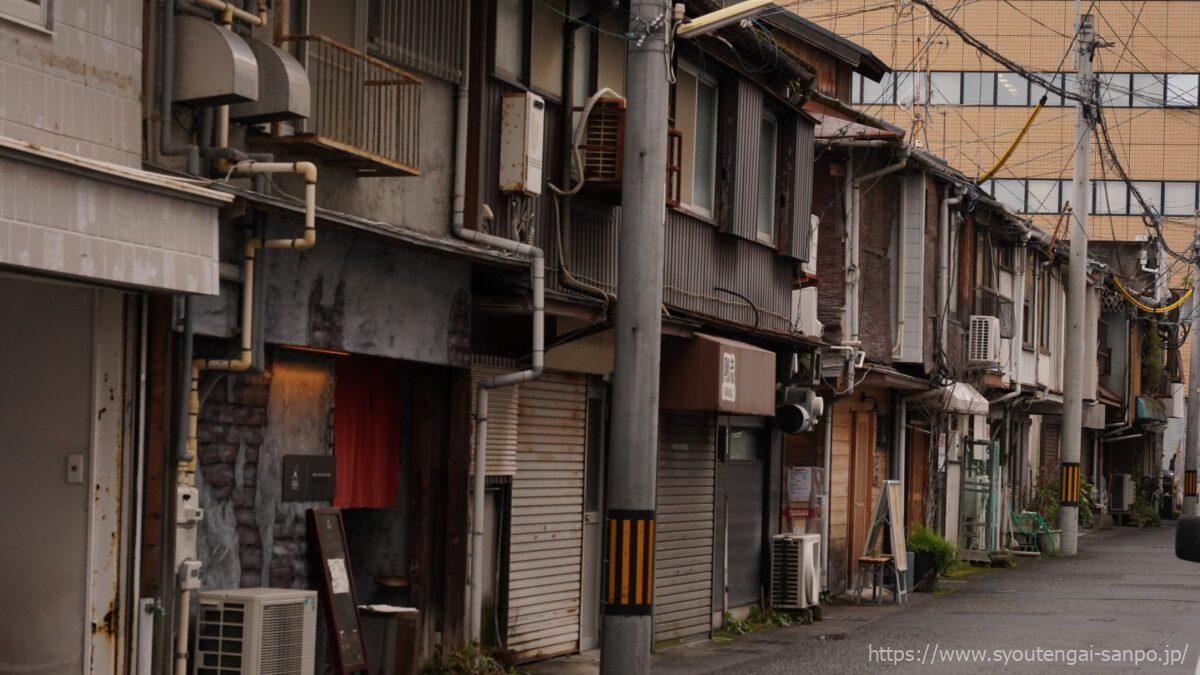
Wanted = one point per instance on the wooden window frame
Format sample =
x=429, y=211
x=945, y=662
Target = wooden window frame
x=524, y=79
x=708, y=214
x=768, y=238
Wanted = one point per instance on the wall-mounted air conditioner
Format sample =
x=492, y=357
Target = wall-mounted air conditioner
x=983, y=347
x=1122, y=493
x=256, y=631
x=603, y=143
x=522, y=140
x=795, y=579
x=804, y=312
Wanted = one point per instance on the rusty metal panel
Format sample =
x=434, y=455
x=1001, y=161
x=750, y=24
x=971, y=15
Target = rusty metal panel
x=425, y=35
x=802, y=191
x=745, y=193
x=715, y=374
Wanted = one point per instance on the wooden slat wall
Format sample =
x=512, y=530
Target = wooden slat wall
x=502, y=422
x=684, y=541
x=839, y=494
x=545, y=552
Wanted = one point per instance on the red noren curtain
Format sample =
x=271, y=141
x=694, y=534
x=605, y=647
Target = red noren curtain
x=366, y=432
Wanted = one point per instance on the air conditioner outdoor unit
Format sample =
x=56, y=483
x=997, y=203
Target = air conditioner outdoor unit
x=603, y=143
x=983, y=347
x=522, y=136
x=256, y=631
x=804, y=312
x=795, y=579
x=1122, y=493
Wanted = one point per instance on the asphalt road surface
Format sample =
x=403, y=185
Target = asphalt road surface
x=1124, y=604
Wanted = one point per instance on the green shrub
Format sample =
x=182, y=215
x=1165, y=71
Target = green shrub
x=466, y=660
x=924, y=540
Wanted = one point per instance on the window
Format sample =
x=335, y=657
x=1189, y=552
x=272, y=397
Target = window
x=1043, y=196
x=1179, y=199
x=745, y=444
x=1151, y=192
x=1029, y=307
x=905, y=89
x=768, y=141
x=871, y=92
x=1148, y=90
x=1110, y=197
x=945, y=88
x=979, y=89
x=529, y=45
x=696, y=120
x=581, y=59
x=33, y=13
x=1036, y=90
x=1181, y=89
x=1011, y=193
x=1114, y=89
x=1046, y=285
x=1011, y=89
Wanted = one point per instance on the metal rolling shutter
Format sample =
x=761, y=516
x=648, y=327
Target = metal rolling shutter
x=502, y=421
x=545, y=552
x=1051, y=438
x=684, y=535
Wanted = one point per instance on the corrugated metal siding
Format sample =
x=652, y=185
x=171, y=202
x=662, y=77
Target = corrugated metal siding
x=684, y=539
x=546, y=547
x=424, y=35
x=502, y=422
x=802, y=191
x=700, y=258
x=912, y=286
x=748, y=129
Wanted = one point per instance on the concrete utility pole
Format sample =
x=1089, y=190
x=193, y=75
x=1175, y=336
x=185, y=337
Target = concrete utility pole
x=1191, y=452
x=1077, y=295
x=633, y=453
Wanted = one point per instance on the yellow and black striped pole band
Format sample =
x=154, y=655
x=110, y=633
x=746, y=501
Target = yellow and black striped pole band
x=1070, y=484
x=1189, y=483
x=630, y=574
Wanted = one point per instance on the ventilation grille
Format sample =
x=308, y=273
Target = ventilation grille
x=787, y=573
x=603, y=144
x=220, y=638
x=983, y=347
x=280, y=652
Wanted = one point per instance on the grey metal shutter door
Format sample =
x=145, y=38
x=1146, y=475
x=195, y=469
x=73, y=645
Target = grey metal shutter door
x=502, y=422
x=684, y=534
x=546, y=547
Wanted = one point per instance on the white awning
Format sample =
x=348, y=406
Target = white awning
x=958, y=397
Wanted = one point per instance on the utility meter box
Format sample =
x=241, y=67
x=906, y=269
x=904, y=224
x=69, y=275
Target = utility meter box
x=522, y=141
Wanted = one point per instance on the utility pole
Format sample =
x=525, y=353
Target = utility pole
x=633, y=453
x=1191, y=452
x=1077, y=295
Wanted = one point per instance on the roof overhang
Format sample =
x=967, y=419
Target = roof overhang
x=958, y=397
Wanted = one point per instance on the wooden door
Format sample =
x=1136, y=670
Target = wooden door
x=917, y=460
x=861, y=448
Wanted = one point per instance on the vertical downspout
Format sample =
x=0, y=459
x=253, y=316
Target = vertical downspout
x=167, y=95
x=944, y=271
x=825, y=487
x=537, y=273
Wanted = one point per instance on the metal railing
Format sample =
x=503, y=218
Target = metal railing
x=362, y=102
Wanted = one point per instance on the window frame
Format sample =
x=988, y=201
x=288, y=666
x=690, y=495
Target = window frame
x=710, y=80
x=524, y=79
x=1167, y=90
x=1045, y=302
x=1170, y=212
x=1030, y=301
x=768, y=117
x=35, y=14
x=996, y=96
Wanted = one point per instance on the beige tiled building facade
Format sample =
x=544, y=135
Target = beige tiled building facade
x=966, y=108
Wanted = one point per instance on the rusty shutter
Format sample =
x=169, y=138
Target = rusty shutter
x=502, y=420
x=546, y=542
x=684, y=535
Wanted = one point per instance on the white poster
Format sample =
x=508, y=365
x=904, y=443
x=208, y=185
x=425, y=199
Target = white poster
x=339, y=580
x=728, y=376
x=799, y=483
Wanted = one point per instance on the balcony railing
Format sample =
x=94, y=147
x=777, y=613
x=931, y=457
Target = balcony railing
x=366, y=112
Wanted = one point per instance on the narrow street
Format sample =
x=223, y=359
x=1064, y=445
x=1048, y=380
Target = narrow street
x=1125, y=591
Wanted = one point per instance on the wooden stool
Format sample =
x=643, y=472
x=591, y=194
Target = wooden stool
x=878, y=567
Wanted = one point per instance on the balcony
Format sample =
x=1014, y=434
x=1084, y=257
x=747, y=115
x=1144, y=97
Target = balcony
x=366, y=112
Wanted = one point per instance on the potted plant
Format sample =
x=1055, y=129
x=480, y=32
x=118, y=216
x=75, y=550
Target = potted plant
x=933, y=555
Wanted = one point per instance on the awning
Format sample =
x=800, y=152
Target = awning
x=959, y=397
x=1150, y=409
x=716, y=374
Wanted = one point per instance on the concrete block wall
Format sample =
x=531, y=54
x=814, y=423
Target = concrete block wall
x=77, y=87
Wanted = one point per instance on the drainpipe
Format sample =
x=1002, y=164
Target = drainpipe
x=185, y=480
x=825, y=487
x=944, y=269
x=167, y=95
x=537, y=273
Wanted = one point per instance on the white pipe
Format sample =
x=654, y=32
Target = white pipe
x=537, y=273
x=183, y=608
x=825, y=488
x=944, y=268
x=230, y=11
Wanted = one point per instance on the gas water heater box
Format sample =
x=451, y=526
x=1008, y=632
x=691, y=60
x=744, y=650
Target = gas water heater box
x=522, y=141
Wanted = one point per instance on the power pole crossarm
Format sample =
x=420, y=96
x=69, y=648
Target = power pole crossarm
x=1075, y=334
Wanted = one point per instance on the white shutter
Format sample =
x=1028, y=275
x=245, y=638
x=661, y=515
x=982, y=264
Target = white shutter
x=546, y=548
x=912, y=285
x=502, y=422
x=683, y=557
